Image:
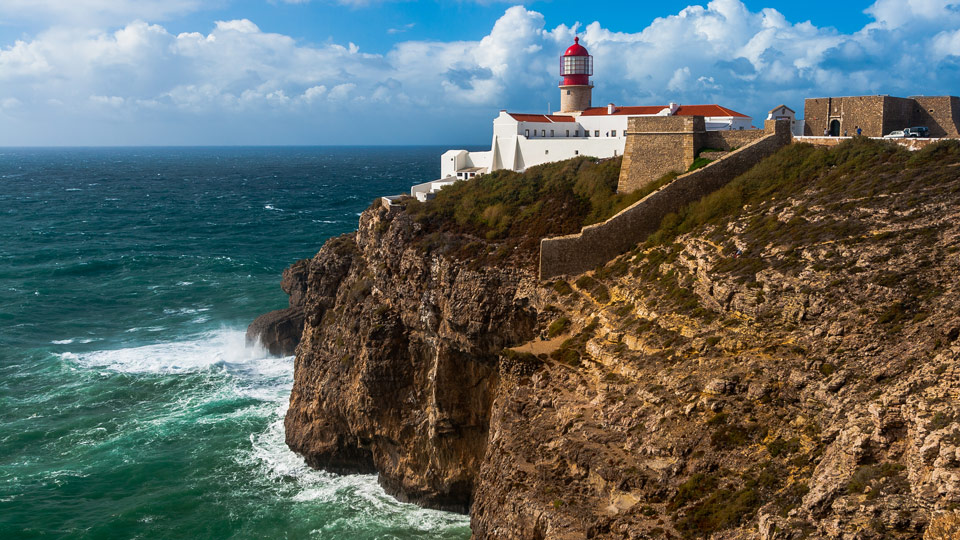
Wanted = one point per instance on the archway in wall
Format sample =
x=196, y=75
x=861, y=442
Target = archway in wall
x=834, y=128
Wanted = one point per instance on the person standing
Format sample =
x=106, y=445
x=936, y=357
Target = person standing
x=859, y=131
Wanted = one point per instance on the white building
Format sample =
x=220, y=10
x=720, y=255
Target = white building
x=521, y=141
x=782, y=112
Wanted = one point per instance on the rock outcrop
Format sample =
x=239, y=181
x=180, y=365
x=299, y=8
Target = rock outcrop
x=279, y=331
x=785, y=370
x=397, y=367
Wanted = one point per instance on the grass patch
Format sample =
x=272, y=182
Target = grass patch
x=594, y=288
x=883, y=477
x=857, y=168
x=572, y=350
x=782, y=447
x=558, y=327
x=699, y=163
x=722, y=509
x=521, y=208
x=562, y=288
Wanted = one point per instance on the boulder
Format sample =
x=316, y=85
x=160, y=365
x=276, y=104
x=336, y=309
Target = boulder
x=278, y=331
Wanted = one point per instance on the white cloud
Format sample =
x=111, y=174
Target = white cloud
x=719, y=53
x=341, y=92
x=314, y=93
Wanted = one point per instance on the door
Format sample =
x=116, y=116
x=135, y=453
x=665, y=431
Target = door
x=834, y=128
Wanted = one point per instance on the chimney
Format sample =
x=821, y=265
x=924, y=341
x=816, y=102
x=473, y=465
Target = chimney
x=611, y=108
x=673, y=108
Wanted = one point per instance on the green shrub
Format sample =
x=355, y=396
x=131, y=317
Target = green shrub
x=856, y=168
x=699, y=163
x=721, y=510
x=694, y=488
x=875, y=476
x=779, y=446
x=558, y=327
x=729, y=436
x=594, y=288
x=562, y=288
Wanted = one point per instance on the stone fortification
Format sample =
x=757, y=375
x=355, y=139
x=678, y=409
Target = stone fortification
x=909, y=144
x=729, y=139
x=597, y=244
x=878, y=115
x=657, y=145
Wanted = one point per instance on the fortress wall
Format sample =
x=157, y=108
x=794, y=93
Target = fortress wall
x=898, y=113
x=879, y=115
x=909, y=144
x=597, y=244
x=730, y=139
x=866, y=112
x=657, y=145
x=941, y=114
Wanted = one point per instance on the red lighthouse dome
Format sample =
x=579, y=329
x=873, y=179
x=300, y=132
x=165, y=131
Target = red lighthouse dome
x=576, y=65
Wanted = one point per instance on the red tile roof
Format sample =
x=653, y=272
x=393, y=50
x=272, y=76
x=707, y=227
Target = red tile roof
x=684, y=110
x=543, y=118
x=602, y=111
x=707, y=110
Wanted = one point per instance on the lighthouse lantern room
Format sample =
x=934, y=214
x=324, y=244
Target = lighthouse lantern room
x=576, y=67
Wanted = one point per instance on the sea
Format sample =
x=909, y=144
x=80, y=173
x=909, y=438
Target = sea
x=130, y=405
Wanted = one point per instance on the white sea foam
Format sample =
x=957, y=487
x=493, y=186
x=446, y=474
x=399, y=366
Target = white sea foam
x=225, y=349
x=270, y=454
x=62, y=341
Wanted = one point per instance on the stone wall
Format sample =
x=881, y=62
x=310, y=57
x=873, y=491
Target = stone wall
x=865, y=112
x=730, y=139
x=941, y=114
x=879, y=115
x=909, y=144
x=657, y=145
x=597, y=244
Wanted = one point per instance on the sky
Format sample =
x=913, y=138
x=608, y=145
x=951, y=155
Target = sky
x=328, y=72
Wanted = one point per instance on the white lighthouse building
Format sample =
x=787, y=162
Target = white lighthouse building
x=521, y=141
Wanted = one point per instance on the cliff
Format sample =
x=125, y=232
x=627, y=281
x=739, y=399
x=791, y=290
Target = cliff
x=779, y=361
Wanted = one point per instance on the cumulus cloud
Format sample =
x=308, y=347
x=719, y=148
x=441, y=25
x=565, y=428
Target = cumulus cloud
x=722, y=52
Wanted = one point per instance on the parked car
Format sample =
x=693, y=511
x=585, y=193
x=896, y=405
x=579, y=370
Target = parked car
x=919, y=131
x=895, y=135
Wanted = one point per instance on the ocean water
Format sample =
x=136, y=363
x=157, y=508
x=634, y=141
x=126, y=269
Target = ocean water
x=130, y=406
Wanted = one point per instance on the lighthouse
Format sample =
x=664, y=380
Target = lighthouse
x=576, y=67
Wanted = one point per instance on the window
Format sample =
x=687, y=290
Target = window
x=586, y=133
x=576, y=152
x=596, y=133
x=568, y=133
x=614, y=153
x=551, y=133
x=543, y=133
x=546, y=152
x=526, y=133
x=568, y=92
x=613, y=133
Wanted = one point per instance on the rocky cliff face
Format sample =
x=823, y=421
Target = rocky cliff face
x=398, y=362
x=786, y=370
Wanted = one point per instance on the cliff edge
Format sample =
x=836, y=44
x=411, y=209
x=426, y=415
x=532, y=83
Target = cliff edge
x=778, y=361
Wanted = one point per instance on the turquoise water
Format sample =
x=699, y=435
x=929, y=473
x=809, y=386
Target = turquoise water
x=130, y=406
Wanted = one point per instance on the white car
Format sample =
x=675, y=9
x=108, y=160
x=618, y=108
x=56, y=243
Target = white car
x=895, y=135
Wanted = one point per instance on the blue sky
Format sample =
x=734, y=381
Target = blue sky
x=172, y=72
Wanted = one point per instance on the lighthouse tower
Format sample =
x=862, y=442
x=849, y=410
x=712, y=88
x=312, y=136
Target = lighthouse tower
x=576, y=67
